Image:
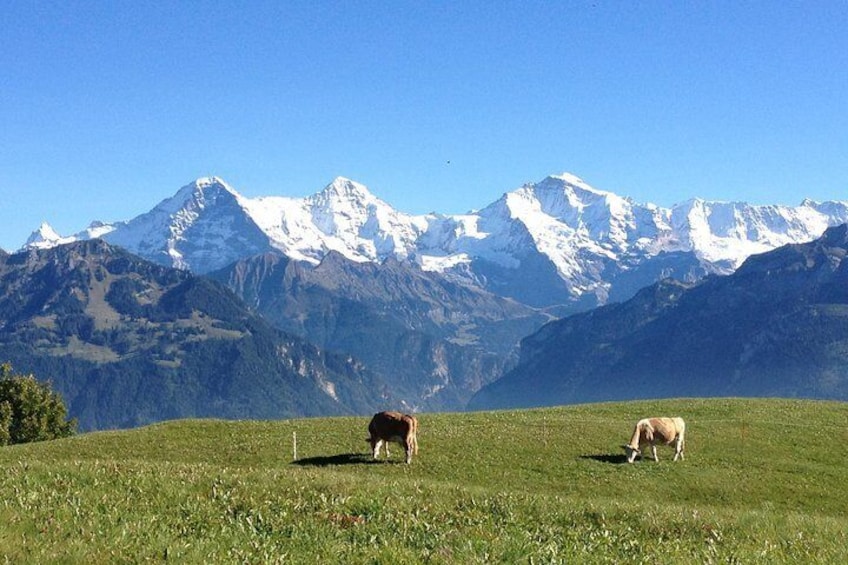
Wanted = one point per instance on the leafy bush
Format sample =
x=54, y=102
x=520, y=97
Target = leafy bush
x=30, y=410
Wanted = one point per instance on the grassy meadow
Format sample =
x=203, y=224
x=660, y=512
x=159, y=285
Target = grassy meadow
x=763, y=482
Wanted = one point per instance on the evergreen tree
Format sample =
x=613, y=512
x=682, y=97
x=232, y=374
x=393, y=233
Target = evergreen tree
x=30, y=410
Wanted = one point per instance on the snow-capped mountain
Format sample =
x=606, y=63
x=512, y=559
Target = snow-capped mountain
x=552, y=242
x=203, y=226
x=343, y=217
x=207, y=225
x=46, y=237
x=726, y=233
x=558, y=232
x=603, y=246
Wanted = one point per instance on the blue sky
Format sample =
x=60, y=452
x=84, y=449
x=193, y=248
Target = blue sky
x=106, y=108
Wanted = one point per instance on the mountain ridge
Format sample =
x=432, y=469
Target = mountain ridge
x=584, y=245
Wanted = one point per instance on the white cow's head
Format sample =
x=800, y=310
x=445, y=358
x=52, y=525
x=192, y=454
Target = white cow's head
x=631, y=452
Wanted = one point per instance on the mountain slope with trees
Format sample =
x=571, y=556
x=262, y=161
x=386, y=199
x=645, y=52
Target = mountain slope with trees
x=128, y=342
x=775, y=327
x=437, y=342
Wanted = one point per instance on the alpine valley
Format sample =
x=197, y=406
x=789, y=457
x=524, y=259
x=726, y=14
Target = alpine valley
x=422, y=312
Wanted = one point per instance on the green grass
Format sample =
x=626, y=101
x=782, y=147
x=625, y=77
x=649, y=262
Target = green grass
x=763, y=482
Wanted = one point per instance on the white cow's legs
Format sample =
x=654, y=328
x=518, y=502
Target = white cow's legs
x=678, y=449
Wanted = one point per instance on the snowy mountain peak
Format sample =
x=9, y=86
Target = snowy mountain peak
x=209, y=187
x=197, y=195
x=569, y=179
x=346, y=217
x=345, y=190
x=44, y=237
x=343, y=206
x=573, y=210
x=46, y=232
x=203, y=182
x=578, y=193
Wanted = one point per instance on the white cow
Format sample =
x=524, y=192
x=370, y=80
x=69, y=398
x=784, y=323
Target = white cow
x=396, y=427
x=653, y=431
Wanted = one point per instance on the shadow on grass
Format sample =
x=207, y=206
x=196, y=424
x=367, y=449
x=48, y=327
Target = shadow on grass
x=341, y=459
x=617, y=459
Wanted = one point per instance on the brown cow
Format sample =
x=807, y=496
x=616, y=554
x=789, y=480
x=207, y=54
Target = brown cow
x=653, y=431
x=396, y=427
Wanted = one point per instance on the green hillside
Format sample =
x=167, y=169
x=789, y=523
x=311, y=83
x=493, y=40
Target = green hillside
x=763, y=482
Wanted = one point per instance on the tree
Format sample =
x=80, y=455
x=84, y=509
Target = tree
x=30, y=410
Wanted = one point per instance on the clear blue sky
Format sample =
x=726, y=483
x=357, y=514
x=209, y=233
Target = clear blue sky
x=108, y=107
